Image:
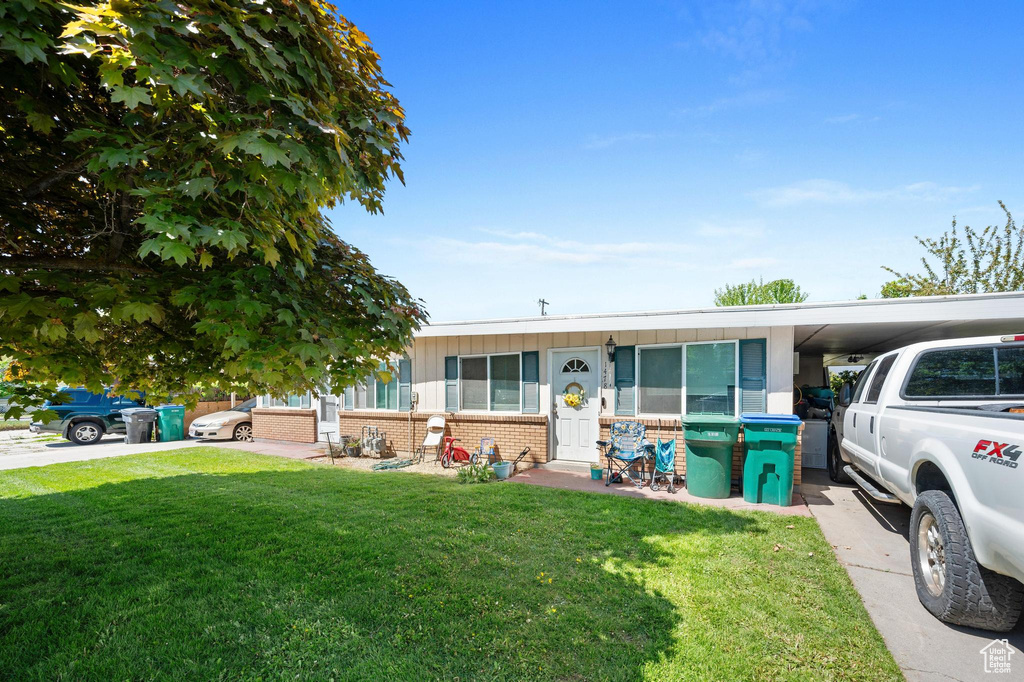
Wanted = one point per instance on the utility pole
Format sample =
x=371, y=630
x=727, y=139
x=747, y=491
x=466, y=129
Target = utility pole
x=542, y=303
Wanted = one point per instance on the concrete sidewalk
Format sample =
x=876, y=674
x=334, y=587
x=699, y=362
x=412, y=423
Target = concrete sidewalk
x=20, y=449
x=871, y=541
x=571, y=480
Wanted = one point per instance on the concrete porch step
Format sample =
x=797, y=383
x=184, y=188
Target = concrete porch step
x=570, y=467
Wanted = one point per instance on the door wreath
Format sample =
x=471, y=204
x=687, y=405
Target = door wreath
x=574, y=395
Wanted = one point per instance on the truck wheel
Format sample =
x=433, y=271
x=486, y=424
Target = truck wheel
x=85, y=433
x=949, y=581
x=835, y=461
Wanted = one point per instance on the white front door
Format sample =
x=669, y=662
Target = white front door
x=327, y=418
x=576, y=428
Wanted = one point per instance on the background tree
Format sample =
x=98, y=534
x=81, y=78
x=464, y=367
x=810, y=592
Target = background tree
x=164, y=167
x=982, y=261
x=757, y=292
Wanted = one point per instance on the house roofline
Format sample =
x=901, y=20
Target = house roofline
x=912, y=309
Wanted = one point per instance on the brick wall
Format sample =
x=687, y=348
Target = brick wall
x=206, y=407
x=289, y=424
x=667, y=433
x=511, y=433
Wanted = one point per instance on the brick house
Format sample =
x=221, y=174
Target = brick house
x=506, y=378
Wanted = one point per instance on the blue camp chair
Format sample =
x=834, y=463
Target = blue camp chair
x=664, y=465
x=627, y=452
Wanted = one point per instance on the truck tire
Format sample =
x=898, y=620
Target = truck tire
x=85, y=433
x=949, y=581
x=835, y=460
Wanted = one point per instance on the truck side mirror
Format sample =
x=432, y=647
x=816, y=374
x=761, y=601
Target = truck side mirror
x=844, y=395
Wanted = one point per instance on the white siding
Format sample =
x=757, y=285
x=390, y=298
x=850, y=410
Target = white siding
x=428, y=365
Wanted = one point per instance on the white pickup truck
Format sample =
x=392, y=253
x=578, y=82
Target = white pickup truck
x=940, y=426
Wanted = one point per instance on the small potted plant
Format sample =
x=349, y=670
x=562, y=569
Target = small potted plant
x=596, y=471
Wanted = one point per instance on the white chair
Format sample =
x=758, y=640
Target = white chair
x=432, y=439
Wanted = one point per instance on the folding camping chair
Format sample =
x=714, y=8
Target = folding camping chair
x=432, y=439
x=627, y=452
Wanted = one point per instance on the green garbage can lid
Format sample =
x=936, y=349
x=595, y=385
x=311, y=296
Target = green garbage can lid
x=709, y=420
x=757, y=418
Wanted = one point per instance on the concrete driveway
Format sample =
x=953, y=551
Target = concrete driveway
x=871, y=541
x=20, y=449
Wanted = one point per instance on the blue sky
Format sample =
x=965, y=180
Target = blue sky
x=628, y=156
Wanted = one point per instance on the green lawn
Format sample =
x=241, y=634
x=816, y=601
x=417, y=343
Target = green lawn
x=13, y=425
x=215, y=564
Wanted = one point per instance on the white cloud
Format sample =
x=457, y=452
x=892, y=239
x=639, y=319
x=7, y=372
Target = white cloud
x=535, y=248
x=752, y=263
x=746, y=229
x=750, y=98
x=850, y=118
x=844, y=118
x=597, y=142
x=822, y=191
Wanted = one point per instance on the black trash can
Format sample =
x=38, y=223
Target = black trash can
x=138, y=424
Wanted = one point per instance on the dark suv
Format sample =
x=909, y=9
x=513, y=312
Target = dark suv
x=83, y=417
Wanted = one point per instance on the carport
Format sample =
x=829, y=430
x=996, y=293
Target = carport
x=852, y=333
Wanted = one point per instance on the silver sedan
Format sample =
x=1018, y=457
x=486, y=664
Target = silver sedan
x=233, y=424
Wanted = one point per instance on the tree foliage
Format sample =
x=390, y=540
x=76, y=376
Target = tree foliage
x=757, y=292
x=165, y=164
x=979, y=261
x=837, y=379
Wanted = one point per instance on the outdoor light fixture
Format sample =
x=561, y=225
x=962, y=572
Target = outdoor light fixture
x=854, y=358
x=610, y=347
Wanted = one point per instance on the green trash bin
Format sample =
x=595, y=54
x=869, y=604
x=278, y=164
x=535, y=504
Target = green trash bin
x=709, y=441
x=170, y=423
x=769, y=444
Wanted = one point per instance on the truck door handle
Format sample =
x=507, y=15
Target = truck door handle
x=871, y=425
x=855, y=420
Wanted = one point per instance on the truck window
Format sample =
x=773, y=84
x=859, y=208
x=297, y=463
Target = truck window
x=953, y=373
x=878, y=379
x=862, y=381
x=1010, y=362
x=80, y=398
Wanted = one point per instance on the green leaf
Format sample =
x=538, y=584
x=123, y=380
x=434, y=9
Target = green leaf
x=81, y=134
x=196, y=186
x=131, y=96
x=269, y=152
x=113, y=156
x=173, y=249
x=41, y=122
x=271, y=256
x=85, y=327
x=27, y=51
x=137, y=310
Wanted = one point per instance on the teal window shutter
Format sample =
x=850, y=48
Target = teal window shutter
x=531, y=382
x=350, y=397
x=753, y=377
x=405, y=385
x=625, y=380
x=451, y=383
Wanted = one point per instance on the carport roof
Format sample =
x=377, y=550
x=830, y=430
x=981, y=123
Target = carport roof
x=865, y=326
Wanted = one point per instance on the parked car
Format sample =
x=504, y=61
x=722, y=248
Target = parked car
x=939, y=426
x=233, y=424
x=84, y=417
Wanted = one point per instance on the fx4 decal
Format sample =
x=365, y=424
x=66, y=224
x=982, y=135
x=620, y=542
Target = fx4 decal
x=1005, y=454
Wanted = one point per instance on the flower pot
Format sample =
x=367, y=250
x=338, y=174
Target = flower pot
x=502, y=470
x=596, y=473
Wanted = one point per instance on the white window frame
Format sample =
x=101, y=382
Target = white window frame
x=488, y=356
x=267, y=401
x=371, y=392
x=682, y=393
